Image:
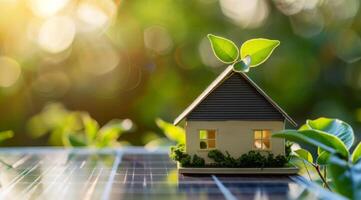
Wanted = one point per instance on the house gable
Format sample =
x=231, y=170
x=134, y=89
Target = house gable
x=235, y=99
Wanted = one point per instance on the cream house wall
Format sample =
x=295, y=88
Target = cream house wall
x=236, y=137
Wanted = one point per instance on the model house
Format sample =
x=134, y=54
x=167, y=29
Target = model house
x=233, y=114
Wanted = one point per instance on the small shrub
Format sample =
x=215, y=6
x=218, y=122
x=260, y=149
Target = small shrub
x=217, y=156
x=185, y=161
x=178, y=154
x=197, y=161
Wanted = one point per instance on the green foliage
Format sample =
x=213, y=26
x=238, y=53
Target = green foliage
x=346, y=177
x=333, y=138
x=76, y=128
x=197, y=161
x=4, y=135
x=356, y=154
x=225, y=50
x=259, y=50
x=252, y=52
x=325, y=141
x=173, y=133
x=304, y=154
x=250, y=159
x=177, y=153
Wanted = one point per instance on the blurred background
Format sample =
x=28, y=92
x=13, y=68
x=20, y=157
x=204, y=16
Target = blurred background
x=76, y=61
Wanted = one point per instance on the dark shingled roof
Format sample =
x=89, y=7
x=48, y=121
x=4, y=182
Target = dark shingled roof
x=234, y=96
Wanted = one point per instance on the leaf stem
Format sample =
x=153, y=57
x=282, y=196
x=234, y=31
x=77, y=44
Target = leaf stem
x=317, y=167
x=309, y=175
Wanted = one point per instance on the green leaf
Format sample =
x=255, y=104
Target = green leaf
x=91, y=127
x=304, y=154
x=323, y=158
x=356, y=154
x=325, y=141
x=242, y=65
x=225, y=50
x=172, y=132
x=332, y=126
x=346, y=177
x=76, y=140
x=258, y=49
x=4, y=135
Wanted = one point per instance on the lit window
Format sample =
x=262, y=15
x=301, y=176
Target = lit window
x=262, y=139
x=207, y=139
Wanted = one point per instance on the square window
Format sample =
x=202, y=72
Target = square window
x=207, y=139
x=203, y=134
x=262, y=139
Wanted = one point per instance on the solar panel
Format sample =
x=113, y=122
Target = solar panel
x=133, y=173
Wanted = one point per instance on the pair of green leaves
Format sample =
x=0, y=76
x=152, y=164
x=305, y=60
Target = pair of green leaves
x=251, y=54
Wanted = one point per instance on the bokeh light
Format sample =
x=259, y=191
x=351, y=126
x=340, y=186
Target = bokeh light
x=144, y=59
x=46, y=8
x=56, y=34
x=10, y=71
x=247, y=14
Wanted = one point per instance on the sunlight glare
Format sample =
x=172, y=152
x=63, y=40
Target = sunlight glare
x=56, y=34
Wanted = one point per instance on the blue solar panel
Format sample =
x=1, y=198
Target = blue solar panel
x=133, y=173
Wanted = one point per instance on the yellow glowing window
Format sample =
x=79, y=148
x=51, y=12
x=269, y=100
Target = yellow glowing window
x=262, y=139
x=207, y=139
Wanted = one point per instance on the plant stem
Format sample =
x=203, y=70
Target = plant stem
x=309, y=175
x=317, y=167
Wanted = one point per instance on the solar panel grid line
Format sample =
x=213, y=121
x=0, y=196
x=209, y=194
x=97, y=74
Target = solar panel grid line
x=90, y=191
x=108, y=187
x=227, y=194
x=17, y=180
x=49, y=186
x=34, y=184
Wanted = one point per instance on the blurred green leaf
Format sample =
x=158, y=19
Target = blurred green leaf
x=259, y=50
x=356, y=154
x=172, y=132
x=225, y=50
x=76, y=140
x=346, y=177
x=323, y=158
x=316, y=138
x=4, y=135
x=304, y=154
x=91, y=127
x=336, y=127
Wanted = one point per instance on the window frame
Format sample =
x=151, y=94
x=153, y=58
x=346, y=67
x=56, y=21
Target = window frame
x=262, y=139
x=206, y=140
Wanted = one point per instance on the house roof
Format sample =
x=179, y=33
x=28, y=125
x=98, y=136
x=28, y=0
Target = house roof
x=216, y=83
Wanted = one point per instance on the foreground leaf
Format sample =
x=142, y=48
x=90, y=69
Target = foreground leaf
x=259, y=50
x=4, y=135
x=346, y=177
x=332, y=126
x=172, y=132
x=323, y=158
x=325, y=141
x=76, y=140
x=225, y=50
x=304, y=154
x=91, y=127
x=356, y=154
